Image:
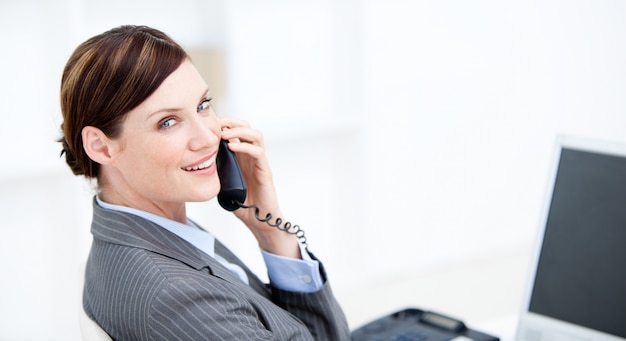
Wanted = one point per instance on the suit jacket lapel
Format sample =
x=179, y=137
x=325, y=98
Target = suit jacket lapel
x=133, y=231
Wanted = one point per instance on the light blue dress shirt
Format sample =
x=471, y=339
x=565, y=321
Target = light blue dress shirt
x=296, y=275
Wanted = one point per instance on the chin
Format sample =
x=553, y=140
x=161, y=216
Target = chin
x=200, y=194
x=203, y=197
x=204, y=192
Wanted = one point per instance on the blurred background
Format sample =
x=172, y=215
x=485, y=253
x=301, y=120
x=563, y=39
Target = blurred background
x=410, y=139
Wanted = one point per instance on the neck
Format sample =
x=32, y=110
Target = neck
x=171, y=210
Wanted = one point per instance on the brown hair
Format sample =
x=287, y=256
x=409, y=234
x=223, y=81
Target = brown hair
x=107, y=76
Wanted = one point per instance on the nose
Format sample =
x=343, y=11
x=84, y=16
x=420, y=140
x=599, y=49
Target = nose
x=205, y=133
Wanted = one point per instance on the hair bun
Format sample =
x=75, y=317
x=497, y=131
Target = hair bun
x=70, y=158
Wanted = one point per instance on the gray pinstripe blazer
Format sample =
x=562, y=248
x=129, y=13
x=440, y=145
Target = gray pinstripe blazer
x=144, y=283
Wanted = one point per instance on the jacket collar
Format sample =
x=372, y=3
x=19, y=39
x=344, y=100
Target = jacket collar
x=131, y=230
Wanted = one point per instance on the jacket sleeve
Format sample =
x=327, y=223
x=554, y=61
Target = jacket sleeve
x=319, y=311
x=192, y=310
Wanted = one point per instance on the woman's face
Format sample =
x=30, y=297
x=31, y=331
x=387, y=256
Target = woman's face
x=165, y=155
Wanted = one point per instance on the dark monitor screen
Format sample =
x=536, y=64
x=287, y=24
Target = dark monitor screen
x=581, y=273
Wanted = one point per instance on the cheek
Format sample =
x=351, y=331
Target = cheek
x=155, y=154
x=214, y=124
x=166, y=155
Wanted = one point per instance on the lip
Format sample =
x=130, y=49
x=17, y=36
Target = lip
x=201, y=161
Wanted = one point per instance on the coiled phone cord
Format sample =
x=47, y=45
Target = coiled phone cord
x=287, y=227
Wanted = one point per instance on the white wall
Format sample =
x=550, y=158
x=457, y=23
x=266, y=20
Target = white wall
x=410, y=139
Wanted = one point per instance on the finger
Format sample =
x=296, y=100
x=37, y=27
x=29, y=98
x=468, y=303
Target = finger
x=231, y=122
x=243, y=134
x=253, y=150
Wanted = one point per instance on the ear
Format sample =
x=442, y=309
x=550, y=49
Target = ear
x=96, y=145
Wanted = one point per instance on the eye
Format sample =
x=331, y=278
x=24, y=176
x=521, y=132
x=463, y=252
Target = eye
x=167, y=123
x=204, y=105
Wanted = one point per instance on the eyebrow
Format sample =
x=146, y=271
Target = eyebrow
x=205, y=94
x=202, y=97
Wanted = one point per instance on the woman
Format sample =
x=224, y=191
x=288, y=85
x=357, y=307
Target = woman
x=137, y=118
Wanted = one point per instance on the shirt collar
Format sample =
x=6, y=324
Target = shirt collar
x=190, y=232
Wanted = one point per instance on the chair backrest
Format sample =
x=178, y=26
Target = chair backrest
x=90, y=330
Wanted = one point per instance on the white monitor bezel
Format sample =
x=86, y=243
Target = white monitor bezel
x=530, y=324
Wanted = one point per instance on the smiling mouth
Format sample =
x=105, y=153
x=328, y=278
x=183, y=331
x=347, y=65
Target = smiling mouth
x=203, y=165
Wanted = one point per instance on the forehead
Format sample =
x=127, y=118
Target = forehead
x=183, y=88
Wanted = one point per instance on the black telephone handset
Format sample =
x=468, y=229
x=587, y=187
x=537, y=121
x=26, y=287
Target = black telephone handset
x=233, y=191
x=233, y=187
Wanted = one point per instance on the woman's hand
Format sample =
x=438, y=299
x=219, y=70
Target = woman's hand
x=249, y=148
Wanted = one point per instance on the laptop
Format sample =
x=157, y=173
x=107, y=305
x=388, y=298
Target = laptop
x=577, y=290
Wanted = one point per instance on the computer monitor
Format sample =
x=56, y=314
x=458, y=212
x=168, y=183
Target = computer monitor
x=577, y=288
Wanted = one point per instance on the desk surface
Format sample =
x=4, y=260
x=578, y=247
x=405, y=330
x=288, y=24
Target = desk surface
x=486, y=295
x=504, y=327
